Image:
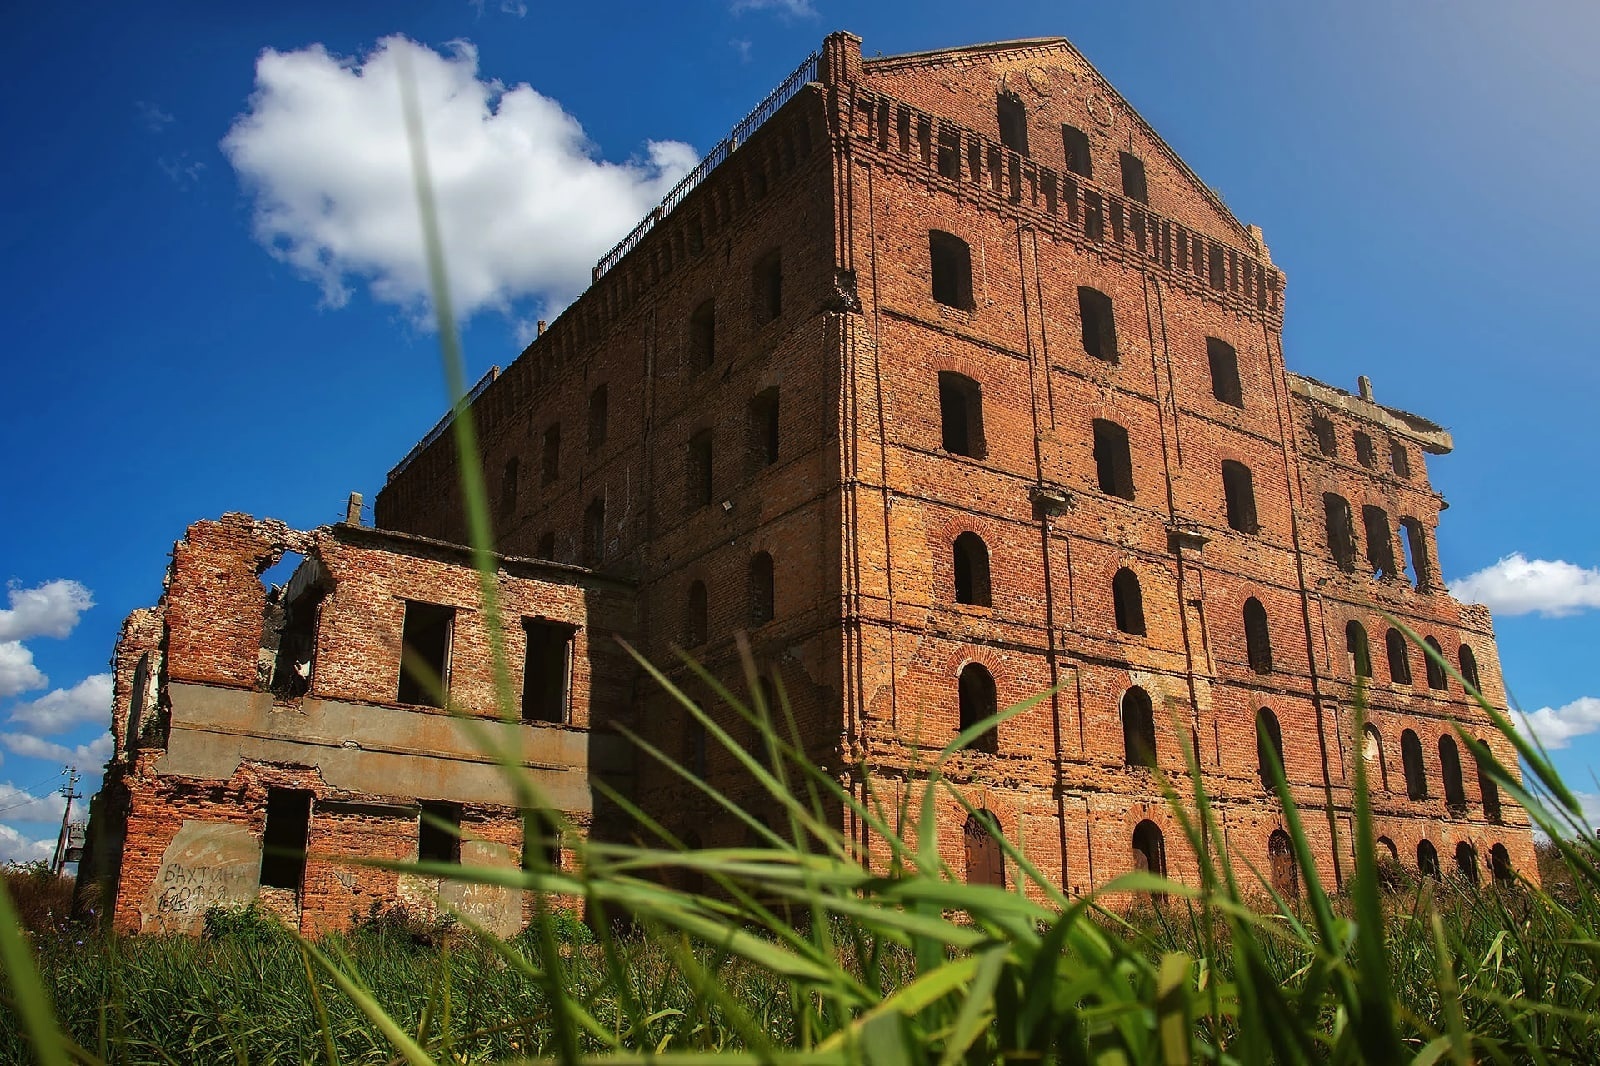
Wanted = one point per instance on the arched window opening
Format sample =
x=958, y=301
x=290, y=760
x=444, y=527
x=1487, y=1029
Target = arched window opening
x=1380, y=541
x=1364, y=454
x=594, y=532
x=1488, y=790
x=1322, y=430
x=1285, y=874
x=1224, y=362
x=1467, y=862
x=978, y=702
x=1138, y=728
x=1417, y=553
x=1411, y=758
x=1341, y=531
x=1013, y=118
x=1113, y=462
x=986, y=862
x=761, y=589
x=703, y=336
x=1386, y=847
x=1399, y=459
x=1257, y=636
x=951, y=261
x=1149, y=850
x=697, y=616
x=1075, y=145
x=1128, y=602
x=1099, y=324
x=1355, y=646
x=972, y=570
x=762, y=438
x=1399, y=657
x=1455, y=793
x=1269, y=738
x=1238, y=490
x=1437, y=678
x=961, y=415
x=1500, y=865
x=1133, y=181
x=1372, y=753
x=1428, y=860
x=1469, y=669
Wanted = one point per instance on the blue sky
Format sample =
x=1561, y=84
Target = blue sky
x=211, y=292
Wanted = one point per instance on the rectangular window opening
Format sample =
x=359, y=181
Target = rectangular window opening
x=1075, y=145
x=284, y=839
x=547, y=672
x=763, y=443
x=425, y=654
x=1133, y=183
x=439, y=832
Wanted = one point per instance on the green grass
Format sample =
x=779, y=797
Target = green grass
x=797, y=952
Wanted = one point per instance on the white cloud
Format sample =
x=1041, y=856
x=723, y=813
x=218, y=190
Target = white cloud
x=14, y=847
x=49, y=610
x=1519, y=585
x=785, y=8
x=17, y=672
x=524, y=205
x=64, y=708
x=1555, y=726
x=89, y=757
x=17, y=805
x=154, y=119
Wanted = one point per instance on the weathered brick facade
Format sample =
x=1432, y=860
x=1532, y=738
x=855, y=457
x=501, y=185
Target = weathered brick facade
x=950, y=385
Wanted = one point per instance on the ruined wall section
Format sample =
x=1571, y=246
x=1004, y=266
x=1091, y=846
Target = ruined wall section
x=136, y=671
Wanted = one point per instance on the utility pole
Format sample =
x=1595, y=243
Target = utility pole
x=56, y=861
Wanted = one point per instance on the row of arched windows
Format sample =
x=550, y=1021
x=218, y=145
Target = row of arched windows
x=760, y=595
x=1500, y=868
x=1339, y=523
x=1414, y=770
x=1398, y=651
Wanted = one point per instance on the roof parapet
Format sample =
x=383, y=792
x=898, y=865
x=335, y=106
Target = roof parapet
x=1433, y=438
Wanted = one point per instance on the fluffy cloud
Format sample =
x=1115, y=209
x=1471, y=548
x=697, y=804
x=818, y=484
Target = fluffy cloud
x=88, y=756
x=1519, y=585
x=17, y=672
x=50, y=610
x=1555, y=726
x=525, y=206
x=786, y=8
x=87, y=701
x=14, y=847
x=20, y=806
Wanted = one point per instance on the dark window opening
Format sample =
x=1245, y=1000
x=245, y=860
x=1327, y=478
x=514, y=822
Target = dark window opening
x=1469, y=669
x=1500, y=865
x=1257, y=636
x=1133, y=183
x=700, y=482
x=551, y=463
x=541, y=840
x=985, y=859
x=1113, y=461
x=961, y=415
x=697, y=620
x=1224, y=362
x=951, y=261
x=1327, y=438
x=425, y=654
x=1488, y=790
x=1355, y=646
x=1099, y=324
x=298, y=606
x=1364, y=454
x=1269, y=736
x=950, y=154
x=976, y=691
x=761, y=589
x=1411, y=759
x=763, y=442
x=1127, y=601
x=439, y=833
x=1340, y=524
x=1437, y=678
x=1428, y=860
x=597, y=418
x=284, y=839
x=1239, y=494
x=758, y=182
x=1280, y=857
x=703, y=335
x=1075, y=144
x=547, y=546
x=768, y=282
x=1399, y=459
x=1416, y=549
x=546, y=671
x=1399, y=657
x=1149, y=850
x=594, y=532
x=695, y=235
x=508, y=489
x=694, y=748
x=1372, y=752
x=972, y=570
x=1455, y=790
x=1218, y=268
x=1467, y=862
x=1013, y=118
x=1380, y=540
x=1138, y=728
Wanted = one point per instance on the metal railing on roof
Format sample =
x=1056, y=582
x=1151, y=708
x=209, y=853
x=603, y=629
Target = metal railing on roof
x=805, y=72
x=444, y=423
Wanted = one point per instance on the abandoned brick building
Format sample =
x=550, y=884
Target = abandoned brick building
x=948, y=383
